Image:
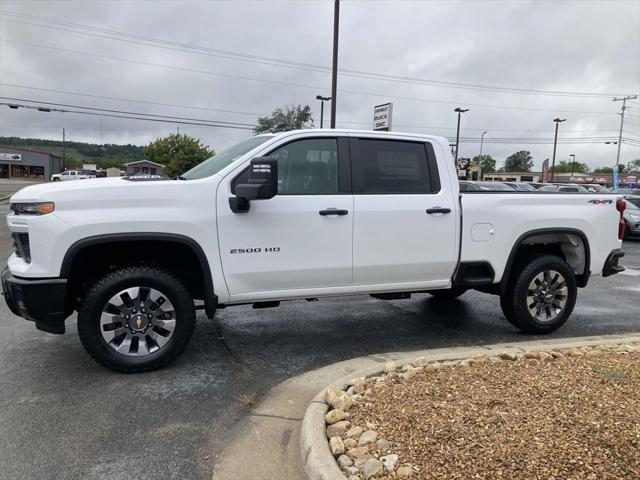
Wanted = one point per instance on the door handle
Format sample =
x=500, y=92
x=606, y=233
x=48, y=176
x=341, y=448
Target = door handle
x=333, y=211
x=433, y=210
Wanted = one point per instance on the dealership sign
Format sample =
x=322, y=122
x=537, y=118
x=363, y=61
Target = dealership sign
x=382, y=117
x=10, y=156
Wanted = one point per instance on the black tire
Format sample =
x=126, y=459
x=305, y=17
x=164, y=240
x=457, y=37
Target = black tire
x=92, y=304
x=447, y=293
x=514, y=302
x=56, y=179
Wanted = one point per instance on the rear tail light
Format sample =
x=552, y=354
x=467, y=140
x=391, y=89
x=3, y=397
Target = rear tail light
x=620, y=206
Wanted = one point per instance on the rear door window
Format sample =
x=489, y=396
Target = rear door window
x=393, y=167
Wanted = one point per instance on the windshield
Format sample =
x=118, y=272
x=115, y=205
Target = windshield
x=221, y=159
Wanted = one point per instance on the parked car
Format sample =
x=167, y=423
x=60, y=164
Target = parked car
x=564, y=188
x=631, y=218
x=594, y=187
x=520, y=186
x=635, y=199
x=537, y=185
x=294, y=215
x=73, y=175
x=468, y=186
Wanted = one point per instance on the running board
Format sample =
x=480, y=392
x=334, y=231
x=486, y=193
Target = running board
x=392, y=296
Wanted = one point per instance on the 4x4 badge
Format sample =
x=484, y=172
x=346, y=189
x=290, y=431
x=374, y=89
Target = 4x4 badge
x=600, y=202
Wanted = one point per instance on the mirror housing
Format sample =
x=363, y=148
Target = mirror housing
x=262, y=184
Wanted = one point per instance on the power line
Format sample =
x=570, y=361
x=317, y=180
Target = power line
x=104, y=97
x=311, y=87
x=200, y=50
x=131, y=116
x=126, y=112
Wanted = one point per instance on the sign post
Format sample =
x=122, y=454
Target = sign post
x=382, y=115
x=616, y=178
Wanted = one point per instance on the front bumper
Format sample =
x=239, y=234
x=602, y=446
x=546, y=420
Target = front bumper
x=40, y=300
x=611, y=266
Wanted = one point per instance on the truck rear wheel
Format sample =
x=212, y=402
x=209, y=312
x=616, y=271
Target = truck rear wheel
x=136, y=319
x=542, y=295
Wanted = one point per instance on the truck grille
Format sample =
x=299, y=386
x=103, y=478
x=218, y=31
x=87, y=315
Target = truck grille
x=21, y=246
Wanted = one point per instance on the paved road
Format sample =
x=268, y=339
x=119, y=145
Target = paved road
x=64, y=417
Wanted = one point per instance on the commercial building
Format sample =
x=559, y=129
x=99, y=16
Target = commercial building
x=28, y=164
x=144, y=167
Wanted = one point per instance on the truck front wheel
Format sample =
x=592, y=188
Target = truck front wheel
x=541, y=296
x=136, y=318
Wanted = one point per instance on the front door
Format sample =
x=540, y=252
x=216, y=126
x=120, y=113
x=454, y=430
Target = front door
x=405, y=229
x=301, y=238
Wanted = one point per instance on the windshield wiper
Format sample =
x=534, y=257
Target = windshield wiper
x=179, y=177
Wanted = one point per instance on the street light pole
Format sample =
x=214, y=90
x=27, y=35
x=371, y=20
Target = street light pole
x=573, y=162
x=322, y=100
x=334, y=69
x=460, y=111
x=480, y=156
x=555, y=142
x=624, y=107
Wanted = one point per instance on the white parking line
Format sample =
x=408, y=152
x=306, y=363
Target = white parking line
x=631, y=272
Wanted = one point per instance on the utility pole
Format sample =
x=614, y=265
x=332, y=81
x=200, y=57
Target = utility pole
x=460, y=112
x=334, y=69
x=555, y=143
x=480, y=157
x=624, y=107
x=64, y=149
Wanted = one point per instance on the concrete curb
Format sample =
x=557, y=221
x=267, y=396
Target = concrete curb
x=320, y=464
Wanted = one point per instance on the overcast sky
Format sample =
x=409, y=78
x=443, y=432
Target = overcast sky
x=561, y=46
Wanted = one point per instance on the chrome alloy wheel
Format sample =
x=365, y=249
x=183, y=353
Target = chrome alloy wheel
x=137, y=321
x=547, y=296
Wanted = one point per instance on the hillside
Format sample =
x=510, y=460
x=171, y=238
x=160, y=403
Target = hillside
x=77, y=153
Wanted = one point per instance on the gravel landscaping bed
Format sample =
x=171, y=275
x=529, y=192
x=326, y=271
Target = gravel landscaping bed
x=565, y=414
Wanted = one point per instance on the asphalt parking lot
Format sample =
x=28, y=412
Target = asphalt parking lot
x=63, y=416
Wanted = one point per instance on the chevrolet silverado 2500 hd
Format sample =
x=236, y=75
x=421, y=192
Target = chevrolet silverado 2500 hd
x=296, y=215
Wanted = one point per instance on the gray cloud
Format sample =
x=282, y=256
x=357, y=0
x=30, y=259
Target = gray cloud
x=568, y=46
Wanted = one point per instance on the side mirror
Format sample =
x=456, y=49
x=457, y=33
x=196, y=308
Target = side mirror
x=262, y=184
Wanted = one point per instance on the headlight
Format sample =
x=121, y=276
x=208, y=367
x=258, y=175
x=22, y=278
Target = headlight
x=35, y=208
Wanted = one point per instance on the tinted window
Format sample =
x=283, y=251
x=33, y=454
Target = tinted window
x=308, y=167
x=388, y=166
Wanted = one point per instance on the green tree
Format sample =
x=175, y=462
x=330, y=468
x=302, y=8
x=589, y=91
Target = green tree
x=178, y=153
x=487, y=163
x=603, y=170
x=564, y=166
x=292, y=117
x=521, y=161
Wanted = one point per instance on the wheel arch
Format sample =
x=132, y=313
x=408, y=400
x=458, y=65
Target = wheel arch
x=148, y=245
x=570, y=243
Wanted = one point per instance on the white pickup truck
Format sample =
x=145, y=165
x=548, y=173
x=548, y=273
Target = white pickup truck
x=72, y=175
x=297, y=215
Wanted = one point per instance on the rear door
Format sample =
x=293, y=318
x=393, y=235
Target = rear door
x=301, y=238
x=405, y=230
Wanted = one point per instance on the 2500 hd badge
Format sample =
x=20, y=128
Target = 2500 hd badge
x=255, y=250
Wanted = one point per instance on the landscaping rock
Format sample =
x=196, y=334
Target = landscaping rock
x=355, y=432
x=357, y=452
x=338, y=429
x=371, y=468
x=344, y=461
x=383, y=444
x=350, y=443
x=342, y=402
x=336, y=446
x=367, y=438
x=389, y=462
x=335, y=416
x=390, y=367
